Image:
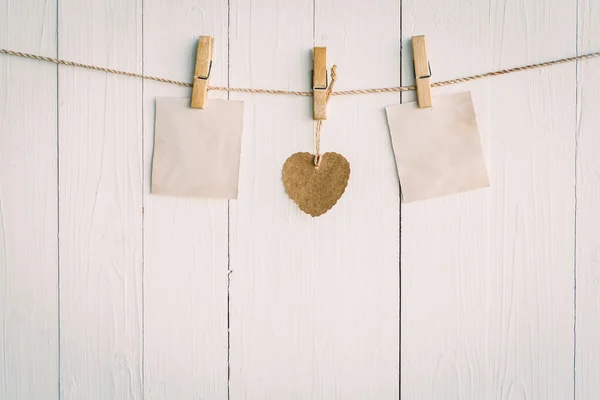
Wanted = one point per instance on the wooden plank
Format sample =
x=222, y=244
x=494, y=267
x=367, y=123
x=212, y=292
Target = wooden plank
x=100, y=212
x=28, y=204
x=269, y=316
x=587, y=284
x=487, y=276
x=320, y=83
x=357, y=283
x=421, y=64
x=204, y=54
x=314, y=301
x=185, y=248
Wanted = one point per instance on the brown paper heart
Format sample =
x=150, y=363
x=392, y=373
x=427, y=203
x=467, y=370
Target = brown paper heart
x=315, y=190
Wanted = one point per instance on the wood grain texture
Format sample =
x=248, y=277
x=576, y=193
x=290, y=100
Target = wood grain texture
x=185, y=239
x=28, y=204
x=587, y=328
x=273, y=349
x=314, y=301
x=100, y=179
x=357, y=273
x=421, y=65
x=500, y=287
x=204, y=54
x=320, y=82
x=487, y=276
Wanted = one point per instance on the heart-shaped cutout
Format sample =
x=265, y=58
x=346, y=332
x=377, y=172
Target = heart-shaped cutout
x=315, y=189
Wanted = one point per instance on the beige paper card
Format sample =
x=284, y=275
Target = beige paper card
x=438, y=150
x=197, y=151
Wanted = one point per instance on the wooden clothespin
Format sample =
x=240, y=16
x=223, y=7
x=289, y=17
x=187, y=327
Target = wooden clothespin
x=422, y=71
x=202, y=71
x=319, y=83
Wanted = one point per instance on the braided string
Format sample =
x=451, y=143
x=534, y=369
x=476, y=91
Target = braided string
x=300, y=93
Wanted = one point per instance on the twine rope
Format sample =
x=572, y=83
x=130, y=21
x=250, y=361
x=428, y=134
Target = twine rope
x=300, y=93
x=319, y=123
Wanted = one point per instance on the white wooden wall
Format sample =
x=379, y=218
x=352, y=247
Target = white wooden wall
x=108, y=292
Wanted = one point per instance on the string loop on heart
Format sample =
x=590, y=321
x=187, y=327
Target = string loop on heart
x=319, y=124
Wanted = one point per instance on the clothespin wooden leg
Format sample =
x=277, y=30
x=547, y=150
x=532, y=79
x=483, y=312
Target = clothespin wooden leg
x=422, y=71
x=319, y=83
x=202, y=71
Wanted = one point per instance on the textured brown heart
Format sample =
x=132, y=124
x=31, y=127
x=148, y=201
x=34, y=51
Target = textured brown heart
x=315, y=190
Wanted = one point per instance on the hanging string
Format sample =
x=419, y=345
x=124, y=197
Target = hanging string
x=299, y=93
x=319, y=123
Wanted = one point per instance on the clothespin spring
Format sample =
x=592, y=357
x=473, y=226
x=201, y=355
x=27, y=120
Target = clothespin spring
x=208, y=74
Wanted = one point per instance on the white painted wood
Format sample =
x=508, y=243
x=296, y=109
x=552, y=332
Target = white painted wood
x=488, y=290
x=28, y=204
x=314, y=302
x=587, y=351
x=274, y=340
x=487, y=276
x=185, y=240
x=100, y=178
